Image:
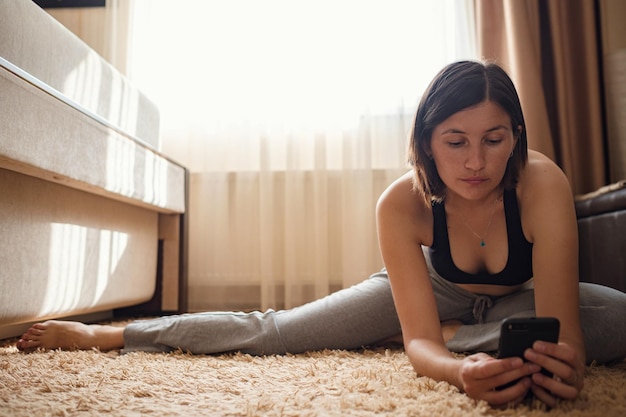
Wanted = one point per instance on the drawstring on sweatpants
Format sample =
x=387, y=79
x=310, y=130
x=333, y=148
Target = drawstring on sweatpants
x=481, y=303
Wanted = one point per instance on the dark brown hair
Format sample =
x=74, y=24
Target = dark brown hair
x=459, y=86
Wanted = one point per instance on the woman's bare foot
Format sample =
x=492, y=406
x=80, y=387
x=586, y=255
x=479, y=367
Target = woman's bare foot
x=71, y=335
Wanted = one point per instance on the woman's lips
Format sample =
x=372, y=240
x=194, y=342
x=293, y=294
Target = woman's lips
x=475, y=180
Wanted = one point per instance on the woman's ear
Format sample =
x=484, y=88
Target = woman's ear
x=428, y=151
x=516, y=135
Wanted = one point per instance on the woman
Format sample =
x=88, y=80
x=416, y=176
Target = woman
x=479, y=231
x=492, y=217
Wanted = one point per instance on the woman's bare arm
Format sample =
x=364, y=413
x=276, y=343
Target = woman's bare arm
x=549, y=217
x=404, y=224
x=402, y=227
x=548, y=214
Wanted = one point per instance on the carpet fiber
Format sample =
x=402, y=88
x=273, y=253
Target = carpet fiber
x=329, y=383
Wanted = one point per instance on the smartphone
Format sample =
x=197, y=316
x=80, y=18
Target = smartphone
x=519, y=334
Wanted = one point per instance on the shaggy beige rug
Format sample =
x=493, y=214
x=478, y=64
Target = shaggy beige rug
x=329, y=383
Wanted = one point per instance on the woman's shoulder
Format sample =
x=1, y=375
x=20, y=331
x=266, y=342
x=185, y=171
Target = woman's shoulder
x=401, y=205
x=544, y=194
x=541, y=177
x=402, y=195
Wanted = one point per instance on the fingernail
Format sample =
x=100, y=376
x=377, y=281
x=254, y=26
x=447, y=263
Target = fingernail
x=540, y=346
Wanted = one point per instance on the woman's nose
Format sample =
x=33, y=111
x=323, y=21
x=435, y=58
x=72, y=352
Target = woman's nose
x=475, y=159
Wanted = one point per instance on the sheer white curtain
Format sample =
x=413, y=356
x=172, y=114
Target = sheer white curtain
x=293, y=117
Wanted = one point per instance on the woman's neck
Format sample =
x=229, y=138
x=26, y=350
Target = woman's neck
x=457, y=204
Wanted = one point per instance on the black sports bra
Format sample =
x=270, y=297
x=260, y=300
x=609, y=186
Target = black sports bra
x=518, y=268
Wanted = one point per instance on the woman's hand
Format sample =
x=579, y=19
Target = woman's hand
x=480, y=375
x=567, y=368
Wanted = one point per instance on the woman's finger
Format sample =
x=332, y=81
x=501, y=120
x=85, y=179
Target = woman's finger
x=543, y=396
x=483, y=374
x=560, y=351
x=561, y=361
x=510, y=396
x=556, y=386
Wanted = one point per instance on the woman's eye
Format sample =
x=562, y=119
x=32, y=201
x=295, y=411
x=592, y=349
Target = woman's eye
x=493, y=141
x=455, y=144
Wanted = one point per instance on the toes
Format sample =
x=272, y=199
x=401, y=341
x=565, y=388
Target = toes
x=34, y=331
x=30, y=340
x=26, y=344
x=32, y=334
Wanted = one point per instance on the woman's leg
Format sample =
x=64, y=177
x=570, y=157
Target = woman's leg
x=351, y=318
x=358, y=316
x=602, y=313
x=603, y=320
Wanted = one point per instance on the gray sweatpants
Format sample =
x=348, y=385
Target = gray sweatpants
x=364, y=314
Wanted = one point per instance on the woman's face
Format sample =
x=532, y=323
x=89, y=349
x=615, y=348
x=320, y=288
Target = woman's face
x=471, y=149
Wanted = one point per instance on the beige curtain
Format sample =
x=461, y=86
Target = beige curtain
x=550, y=50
